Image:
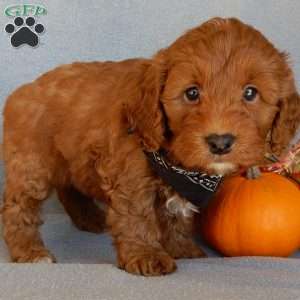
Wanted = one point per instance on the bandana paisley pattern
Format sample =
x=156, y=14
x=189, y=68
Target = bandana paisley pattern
x=208, y=182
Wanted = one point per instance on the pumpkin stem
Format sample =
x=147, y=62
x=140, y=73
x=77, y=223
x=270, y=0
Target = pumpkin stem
x=253, y=172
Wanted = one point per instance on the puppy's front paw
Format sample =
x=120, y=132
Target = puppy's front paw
x=150, y=264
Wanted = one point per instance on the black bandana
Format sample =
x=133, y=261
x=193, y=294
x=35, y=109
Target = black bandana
x=196, y=187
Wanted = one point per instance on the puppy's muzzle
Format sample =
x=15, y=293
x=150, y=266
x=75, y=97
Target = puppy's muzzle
x=220, y=144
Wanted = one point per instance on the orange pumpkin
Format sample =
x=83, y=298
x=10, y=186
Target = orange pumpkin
x=254, y=217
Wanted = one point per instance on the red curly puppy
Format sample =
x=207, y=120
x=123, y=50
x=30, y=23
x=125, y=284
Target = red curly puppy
x=222, y=90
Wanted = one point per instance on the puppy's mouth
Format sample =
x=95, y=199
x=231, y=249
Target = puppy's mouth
x=222, y=168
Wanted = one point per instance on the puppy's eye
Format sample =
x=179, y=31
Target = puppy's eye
x=250, y=93
x=192, y=94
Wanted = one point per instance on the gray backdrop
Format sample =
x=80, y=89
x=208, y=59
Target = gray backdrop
x=118, y=29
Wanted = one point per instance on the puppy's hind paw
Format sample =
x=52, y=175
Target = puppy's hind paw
x=44, y=260
x=42, y=256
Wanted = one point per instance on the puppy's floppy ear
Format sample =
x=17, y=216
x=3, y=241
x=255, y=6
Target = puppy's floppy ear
x=143, y=108
x=288, y=118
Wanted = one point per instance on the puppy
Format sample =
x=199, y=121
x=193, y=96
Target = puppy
x=216, y=100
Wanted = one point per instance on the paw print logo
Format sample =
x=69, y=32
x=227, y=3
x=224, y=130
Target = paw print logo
x=24, y=33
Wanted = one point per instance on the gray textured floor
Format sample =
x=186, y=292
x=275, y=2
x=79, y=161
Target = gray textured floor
x=86, y=270
x=212, y=278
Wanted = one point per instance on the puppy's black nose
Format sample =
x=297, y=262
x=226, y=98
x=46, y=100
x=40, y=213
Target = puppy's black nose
x=220, y=144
